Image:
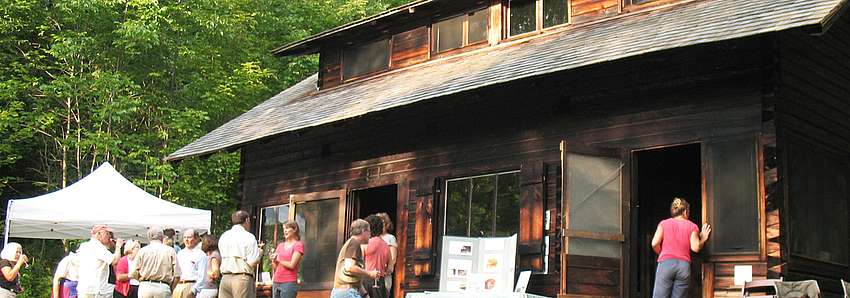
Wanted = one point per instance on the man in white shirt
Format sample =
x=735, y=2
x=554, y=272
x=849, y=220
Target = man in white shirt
x=239, y=258
x=188, y=259
x=94, y=260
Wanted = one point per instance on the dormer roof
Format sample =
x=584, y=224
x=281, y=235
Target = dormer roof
x=674, y=26
x=375, y=24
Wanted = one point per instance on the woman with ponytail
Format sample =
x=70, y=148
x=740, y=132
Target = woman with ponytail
x=673, y=241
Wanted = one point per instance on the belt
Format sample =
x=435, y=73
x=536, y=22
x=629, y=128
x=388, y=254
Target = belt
x=156, y=281
x=186, y=281
x=237, y=273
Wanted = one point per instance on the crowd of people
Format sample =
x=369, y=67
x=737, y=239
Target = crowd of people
x=365, y=263
x=207, y=267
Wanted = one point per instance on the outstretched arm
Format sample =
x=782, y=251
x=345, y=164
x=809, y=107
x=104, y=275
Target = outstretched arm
x=698, y=240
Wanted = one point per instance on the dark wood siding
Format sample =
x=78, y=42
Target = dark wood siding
x=588, y=10
x=813, y=111
x=682, y=95
x=410, y=47
x=330, y=68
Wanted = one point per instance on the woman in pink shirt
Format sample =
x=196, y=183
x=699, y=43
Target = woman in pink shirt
x=674, y=240
x=377, y=257
x=125, y=286
x=285, y=260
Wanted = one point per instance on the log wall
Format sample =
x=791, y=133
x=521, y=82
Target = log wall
x=813, y=111
x=681, y=95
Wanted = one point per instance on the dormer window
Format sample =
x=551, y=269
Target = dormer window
x=365, y=59
x=526, y=16
x=461, y=31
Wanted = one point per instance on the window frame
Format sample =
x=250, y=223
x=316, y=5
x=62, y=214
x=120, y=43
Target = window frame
x=464, y=43
x=293, y=202
x=538, y=19
x=444, y=198
x=260, y=230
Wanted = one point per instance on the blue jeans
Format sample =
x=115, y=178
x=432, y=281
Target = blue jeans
x=671, y=279
x=284, y=290
x=345, y=293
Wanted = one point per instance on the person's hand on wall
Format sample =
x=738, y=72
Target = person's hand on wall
x=705, y=232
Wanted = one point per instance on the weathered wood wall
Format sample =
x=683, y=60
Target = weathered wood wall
x=813, y=107
x=410, y=47
x=676, y=96
x=587, y=10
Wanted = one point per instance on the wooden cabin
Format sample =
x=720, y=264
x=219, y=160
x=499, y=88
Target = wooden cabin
x=572, y=123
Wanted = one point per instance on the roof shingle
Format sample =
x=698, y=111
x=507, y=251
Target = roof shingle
x=629, y=35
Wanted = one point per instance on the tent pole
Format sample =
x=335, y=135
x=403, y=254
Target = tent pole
x=6, y=226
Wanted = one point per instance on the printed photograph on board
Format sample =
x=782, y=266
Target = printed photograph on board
x=459, y=268
x=491, y=263
x=460, y=248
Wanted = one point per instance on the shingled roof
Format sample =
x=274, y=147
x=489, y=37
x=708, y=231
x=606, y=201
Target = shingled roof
x=685, y=24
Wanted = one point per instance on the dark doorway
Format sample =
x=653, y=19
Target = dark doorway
x=369, y=201
x=374, y=200
x=660, y=175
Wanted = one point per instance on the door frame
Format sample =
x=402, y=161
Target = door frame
x=632, y=203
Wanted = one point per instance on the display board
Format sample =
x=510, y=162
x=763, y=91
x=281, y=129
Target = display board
x=478, y=265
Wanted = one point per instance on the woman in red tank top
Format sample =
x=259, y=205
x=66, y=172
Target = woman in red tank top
x=673, y=241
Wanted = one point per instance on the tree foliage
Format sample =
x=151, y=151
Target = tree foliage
x=84, y=82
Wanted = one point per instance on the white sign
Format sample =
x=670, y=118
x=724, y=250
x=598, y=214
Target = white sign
x=522, y=281
x=743, y=273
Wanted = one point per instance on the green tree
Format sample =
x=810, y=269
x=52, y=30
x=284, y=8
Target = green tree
x=84, y=82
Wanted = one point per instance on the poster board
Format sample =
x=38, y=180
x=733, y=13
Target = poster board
x=478, y=265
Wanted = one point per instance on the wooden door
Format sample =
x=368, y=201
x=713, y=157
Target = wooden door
x=322, y=218
x=592, y=250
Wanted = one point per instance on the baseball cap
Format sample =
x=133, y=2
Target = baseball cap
x=98, y=228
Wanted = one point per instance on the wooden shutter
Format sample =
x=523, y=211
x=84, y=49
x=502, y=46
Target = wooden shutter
x=532, y=203
x=410, y=47
x=330, y=70
x=423, y=194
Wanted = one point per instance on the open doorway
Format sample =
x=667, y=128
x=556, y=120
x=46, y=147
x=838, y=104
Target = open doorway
x=659, y=176
x=375, y=200
x=369, y=201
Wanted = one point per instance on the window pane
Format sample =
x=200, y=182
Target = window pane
x=595, y=248
x=318, y=220
x=478, y=26
x=272, y=229
x=554, y=12
x=481, y=210
x=733, y=196
x=448, y=34
x=523, y=17
x=364, y=59
x=594, y=186
x=484, y=206
x=507, y=205
x=457, y=208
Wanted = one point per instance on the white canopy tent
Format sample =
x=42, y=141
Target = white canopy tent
x=102, y=197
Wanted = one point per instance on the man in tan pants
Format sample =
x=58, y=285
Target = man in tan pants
x=239, y=257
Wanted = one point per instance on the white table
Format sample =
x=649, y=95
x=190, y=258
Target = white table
x=470, y=295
